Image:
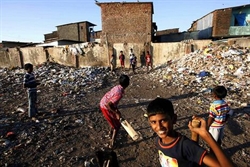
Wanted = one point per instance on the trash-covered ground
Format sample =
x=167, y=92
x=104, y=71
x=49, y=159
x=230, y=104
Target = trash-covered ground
x=70, y=128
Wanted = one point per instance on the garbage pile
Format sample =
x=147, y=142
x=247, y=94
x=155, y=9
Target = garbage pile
x=214, y=65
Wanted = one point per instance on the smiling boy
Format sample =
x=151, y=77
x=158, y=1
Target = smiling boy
x=177, y=150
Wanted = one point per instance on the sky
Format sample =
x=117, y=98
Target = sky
x=29, y=20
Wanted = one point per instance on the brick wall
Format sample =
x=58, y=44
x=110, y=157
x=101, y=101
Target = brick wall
x=126, y=22
x=221, y=22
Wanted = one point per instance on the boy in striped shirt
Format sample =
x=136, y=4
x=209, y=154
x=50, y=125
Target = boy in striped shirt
x=30, y=83
x=218, y=113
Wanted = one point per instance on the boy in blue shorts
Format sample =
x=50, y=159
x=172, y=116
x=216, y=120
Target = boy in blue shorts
x=177, y=150
x=218, y=113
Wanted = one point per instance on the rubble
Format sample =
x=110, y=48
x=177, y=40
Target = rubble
x=70, y=127
x=225, y=65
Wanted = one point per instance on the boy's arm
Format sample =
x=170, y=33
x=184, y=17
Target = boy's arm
x=220, y=159
x=110, y=107
x=209, y=122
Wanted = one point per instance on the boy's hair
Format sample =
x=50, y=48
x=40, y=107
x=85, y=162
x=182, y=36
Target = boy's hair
x=124, y=81
x=220, y=91
x=160, y=106
x=28, y=66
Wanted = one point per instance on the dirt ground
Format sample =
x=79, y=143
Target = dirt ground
x=70, y=127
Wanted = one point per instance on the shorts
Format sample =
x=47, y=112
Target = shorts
x=111, y=118
x=122, y=62
x=217, y=133
x=148, y=63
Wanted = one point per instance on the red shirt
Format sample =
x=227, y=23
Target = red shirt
x=148, y=58
x=114, y=96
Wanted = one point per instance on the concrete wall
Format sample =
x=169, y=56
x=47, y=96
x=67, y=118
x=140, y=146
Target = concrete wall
x=10, y=59
x=163, y=52
x=138, y=50
x=243, y=42
x=34, y=55
x=96, y=55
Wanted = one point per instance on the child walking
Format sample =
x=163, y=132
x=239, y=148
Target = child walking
x=175, y=149
x=30, y=83
x=108, y=106
x=218, y=113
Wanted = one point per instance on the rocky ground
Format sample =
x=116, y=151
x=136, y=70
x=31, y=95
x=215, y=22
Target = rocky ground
x=70, y=128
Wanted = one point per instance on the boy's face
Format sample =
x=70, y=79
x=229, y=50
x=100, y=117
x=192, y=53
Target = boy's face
x=162, y=124
x=29, y=70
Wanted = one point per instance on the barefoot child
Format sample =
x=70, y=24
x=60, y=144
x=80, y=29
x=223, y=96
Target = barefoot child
x=108, y=106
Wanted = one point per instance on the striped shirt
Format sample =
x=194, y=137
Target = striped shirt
x=218, y=110
x=114, y=96
x=30, y=81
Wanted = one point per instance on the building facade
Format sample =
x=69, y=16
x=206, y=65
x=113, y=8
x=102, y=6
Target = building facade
x=79, y=31
x=224, y=23
x=126, y=22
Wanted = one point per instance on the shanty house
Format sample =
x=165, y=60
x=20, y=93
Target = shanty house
x=224, y=23
x=79, y=31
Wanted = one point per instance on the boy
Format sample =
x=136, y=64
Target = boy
x=31, y=84
x=177, y=150
x=131, y=58
x=134, y=62
x=108, y=106
x=112, y=63
x=148, y=61
x=218, y=113
x=122, y=59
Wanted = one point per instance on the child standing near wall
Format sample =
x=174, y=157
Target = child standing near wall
x=112, y=63
x=30, y=84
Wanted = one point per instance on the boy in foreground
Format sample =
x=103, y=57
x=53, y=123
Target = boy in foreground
x=108, y=106
x=177, y=150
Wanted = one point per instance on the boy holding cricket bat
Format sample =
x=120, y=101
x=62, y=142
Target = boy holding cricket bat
x=177, y=150
x=108, y=106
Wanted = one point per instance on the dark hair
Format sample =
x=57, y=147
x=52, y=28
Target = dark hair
x=28, y=66
x=124, y=81
x=220, y=91
x=160, y=106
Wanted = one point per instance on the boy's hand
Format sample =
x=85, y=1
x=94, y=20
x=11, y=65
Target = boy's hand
x=118, y=114
x=202, y=130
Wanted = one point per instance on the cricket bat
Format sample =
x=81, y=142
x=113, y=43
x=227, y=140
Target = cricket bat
x=132, y=133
